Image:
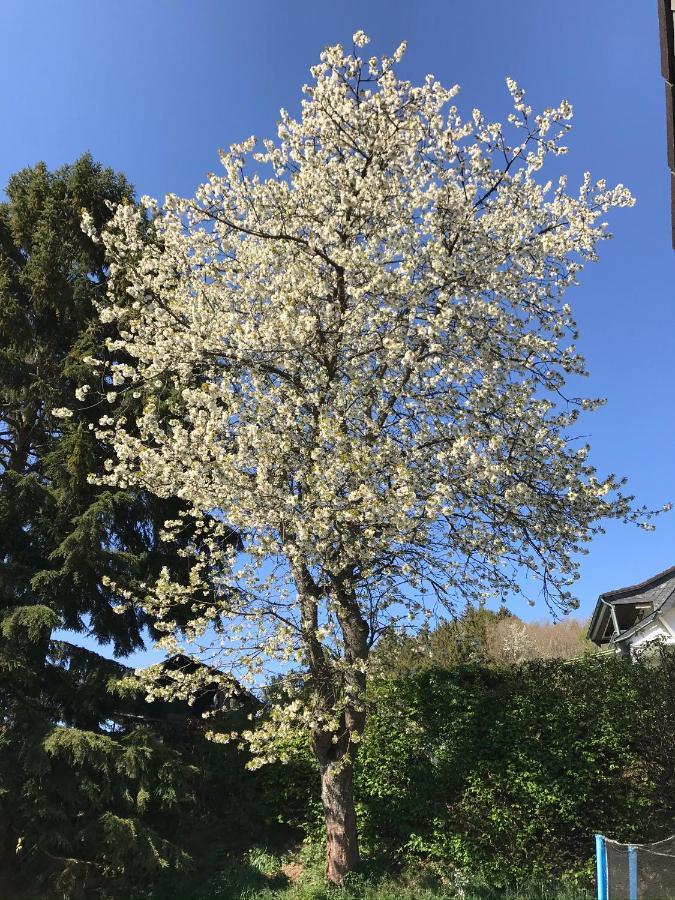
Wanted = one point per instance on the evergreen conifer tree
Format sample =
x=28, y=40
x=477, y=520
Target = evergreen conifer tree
x=81, y=787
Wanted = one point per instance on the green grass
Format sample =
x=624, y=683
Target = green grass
x=263, y=875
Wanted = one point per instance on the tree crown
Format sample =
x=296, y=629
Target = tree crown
x=360, y=332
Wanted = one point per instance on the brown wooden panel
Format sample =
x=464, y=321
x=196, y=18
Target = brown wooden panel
x=670, y=124
x=667, y=40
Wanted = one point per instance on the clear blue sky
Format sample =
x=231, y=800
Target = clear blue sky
x=155, y=87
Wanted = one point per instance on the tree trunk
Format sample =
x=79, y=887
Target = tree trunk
x=336, y=757
x=337, y=795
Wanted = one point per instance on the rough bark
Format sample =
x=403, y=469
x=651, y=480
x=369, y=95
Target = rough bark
x=336, y=753
x=337, y=796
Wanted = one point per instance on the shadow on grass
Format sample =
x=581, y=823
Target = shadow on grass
x=242, y=882
x=261, y=875
x=246, y=883
x=244, y=878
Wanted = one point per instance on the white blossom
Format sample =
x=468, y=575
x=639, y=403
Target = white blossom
x=353, y=349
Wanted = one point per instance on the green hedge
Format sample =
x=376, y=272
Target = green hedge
x=511, y=772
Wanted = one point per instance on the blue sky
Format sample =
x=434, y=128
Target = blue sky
x=154, y=88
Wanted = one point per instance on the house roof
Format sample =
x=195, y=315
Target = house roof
x=179, y=662
x=655, y=590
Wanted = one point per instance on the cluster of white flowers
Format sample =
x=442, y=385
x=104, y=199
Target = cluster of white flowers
x=359, y=332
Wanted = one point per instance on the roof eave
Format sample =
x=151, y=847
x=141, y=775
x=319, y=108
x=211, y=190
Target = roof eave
x=598, y=622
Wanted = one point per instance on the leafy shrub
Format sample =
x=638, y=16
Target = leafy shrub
x=512, y=771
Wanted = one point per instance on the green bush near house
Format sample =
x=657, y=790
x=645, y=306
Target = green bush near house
x=510, y=772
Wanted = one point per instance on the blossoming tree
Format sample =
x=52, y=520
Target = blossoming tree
x=352, y=349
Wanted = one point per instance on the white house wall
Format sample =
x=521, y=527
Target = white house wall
x=654, y=631
x=668, y=618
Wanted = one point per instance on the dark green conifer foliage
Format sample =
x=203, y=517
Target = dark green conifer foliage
x=58, y=533
x=453, y=642
x=84, y=789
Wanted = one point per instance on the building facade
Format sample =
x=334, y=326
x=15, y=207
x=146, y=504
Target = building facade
x=629, y=619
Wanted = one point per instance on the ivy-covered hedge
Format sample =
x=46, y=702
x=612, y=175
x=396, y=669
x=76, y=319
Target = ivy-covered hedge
x=509, y=772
